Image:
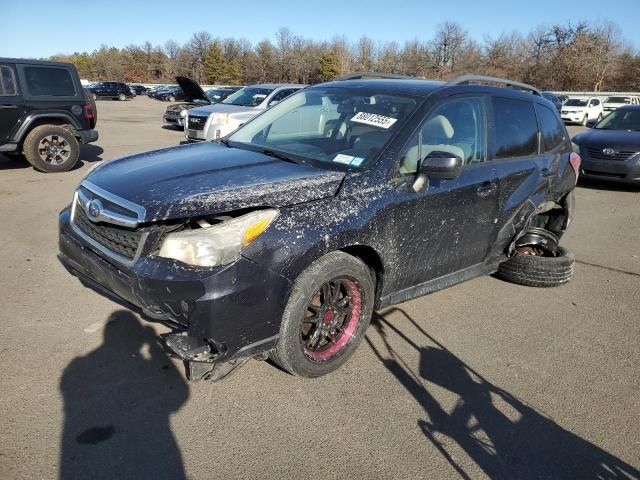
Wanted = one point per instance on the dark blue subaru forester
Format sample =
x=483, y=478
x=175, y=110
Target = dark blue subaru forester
x=282, y=238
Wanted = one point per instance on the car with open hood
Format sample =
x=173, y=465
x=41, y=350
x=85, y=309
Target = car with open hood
x=216, y=121
x=194, y=96
x=282, y=238
x=610, y=149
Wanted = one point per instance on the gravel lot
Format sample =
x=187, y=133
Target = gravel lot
x=483, y=380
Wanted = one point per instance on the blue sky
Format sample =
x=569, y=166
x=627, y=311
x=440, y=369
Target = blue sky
x=37, y=28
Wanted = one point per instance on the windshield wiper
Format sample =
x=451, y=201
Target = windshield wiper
x=223, y=141
x=278, y=155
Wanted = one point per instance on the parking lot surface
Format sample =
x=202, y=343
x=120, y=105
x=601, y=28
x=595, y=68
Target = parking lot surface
x=483, y=380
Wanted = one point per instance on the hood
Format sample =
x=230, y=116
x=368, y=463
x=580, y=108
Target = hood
x=573, y=109
x=191, y=89
x=223, y=107
x=208, y=178
x=177, y=107
x=620, y=139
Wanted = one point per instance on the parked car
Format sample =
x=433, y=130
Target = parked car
x=153, y=90
x=46, y=114
x=610, y=150
x=139, y=89
x=159, y=92
x=553, y=99
x=282, y=238
x=216, y=121
x=562, y=98
x=113, y=90
x=612, y=103
x=196, y=97
x=581, y=110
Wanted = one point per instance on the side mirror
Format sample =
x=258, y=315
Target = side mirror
x=273, y=102
x=444, y=165
x=590, y=123
x=438, y=164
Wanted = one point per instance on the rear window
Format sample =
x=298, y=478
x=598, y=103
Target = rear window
x=516, y=128
x=49, y=81
x=7, y=81
x=550, y=128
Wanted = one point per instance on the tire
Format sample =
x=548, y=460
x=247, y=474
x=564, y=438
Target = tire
x=37, y=148
x=585, y=120
x=304, y=349
x=122, y=97
x=538, y=271
x=172, y=99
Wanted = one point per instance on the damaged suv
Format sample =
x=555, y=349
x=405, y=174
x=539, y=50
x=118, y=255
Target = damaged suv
x=281, y=239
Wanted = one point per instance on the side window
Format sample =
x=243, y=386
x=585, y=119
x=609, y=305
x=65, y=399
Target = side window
x=282, y=94
x=7, y=81
x=550, y=128
x=456, y=126
x=50, y=81
x=596, y=102
x=516, y=128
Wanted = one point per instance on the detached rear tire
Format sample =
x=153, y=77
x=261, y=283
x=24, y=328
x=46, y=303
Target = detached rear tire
x=538, y=271
x=51, y=148
x=326, y=316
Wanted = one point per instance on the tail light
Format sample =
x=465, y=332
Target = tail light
x=575, y=161
x=88, y=111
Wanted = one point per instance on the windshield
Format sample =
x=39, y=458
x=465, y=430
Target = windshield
x=618, y=100
x=331, y=125
x=622, y=119
x=575, y=102
x=216, y=96
x=248, y=96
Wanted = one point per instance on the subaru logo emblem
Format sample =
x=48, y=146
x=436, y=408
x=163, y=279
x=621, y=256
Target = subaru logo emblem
x=94, y=209
x=608, y=151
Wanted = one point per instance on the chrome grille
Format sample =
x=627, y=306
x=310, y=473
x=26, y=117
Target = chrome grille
x=108, y=223
x=597, y=153
x=196, y=122
x=120, y=240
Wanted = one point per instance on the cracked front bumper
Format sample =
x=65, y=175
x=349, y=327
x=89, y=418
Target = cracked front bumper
x=234, y=310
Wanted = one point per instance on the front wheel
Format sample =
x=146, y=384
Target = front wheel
x=585, y=120
x=326, y=316
x=122, y=97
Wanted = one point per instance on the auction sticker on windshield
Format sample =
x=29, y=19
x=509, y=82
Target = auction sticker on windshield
x=374, y=119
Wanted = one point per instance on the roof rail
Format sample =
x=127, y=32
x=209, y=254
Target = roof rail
x=372, y=75
x=466, y=79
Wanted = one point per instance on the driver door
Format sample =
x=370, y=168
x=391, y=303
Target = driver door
x=449, y=225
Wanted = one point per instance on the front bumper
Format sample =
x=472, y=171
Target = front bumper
x=572, y=118
x=173, y=120
x=616, y=171
x=230, y=312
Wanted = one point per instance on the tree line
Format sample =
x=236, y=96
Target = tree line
x=570, y=56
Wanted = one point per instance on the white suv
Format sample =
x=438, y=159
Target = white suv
x=216, y=121
x=611, y=103
x=581, y=110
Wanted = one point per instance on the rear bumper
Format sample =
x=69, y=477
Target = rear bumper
x=88, y=136
x=230, y=311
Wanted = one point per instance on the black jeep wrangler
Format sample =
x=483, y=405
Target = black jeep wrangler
x=282, y=238
x=44, y=113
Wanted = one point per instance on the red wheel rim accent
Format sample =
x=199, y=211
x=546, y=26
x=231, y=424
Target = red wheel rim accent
x=331, y=319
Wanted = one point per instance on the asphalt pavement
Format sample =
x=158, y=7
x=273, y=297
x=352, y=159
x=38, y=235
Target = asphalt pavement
x=483, y=380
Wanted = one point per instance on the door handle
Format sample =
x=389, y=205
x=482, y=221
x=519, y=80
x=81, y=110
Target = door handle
x=7, y=107
x=486, y=189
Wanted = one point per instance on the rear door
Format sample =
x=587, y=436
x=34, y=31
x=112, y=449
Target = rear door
x=11, y=102
x=524, y=171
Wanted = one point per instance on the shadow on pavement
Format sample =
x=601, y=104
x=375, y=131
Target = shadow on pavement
x=88, y=153
x=506, y=438
x=117, y=403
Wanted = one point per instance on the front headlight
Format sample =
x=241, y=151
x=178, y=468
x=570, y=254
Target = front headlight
x=220, y=118
x=217, y=244
x=183, y=113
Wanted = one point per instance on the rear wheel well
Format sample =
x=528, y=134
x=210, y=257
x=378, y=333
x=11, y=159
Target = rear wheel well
x=371, y=258
x=48, y=121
